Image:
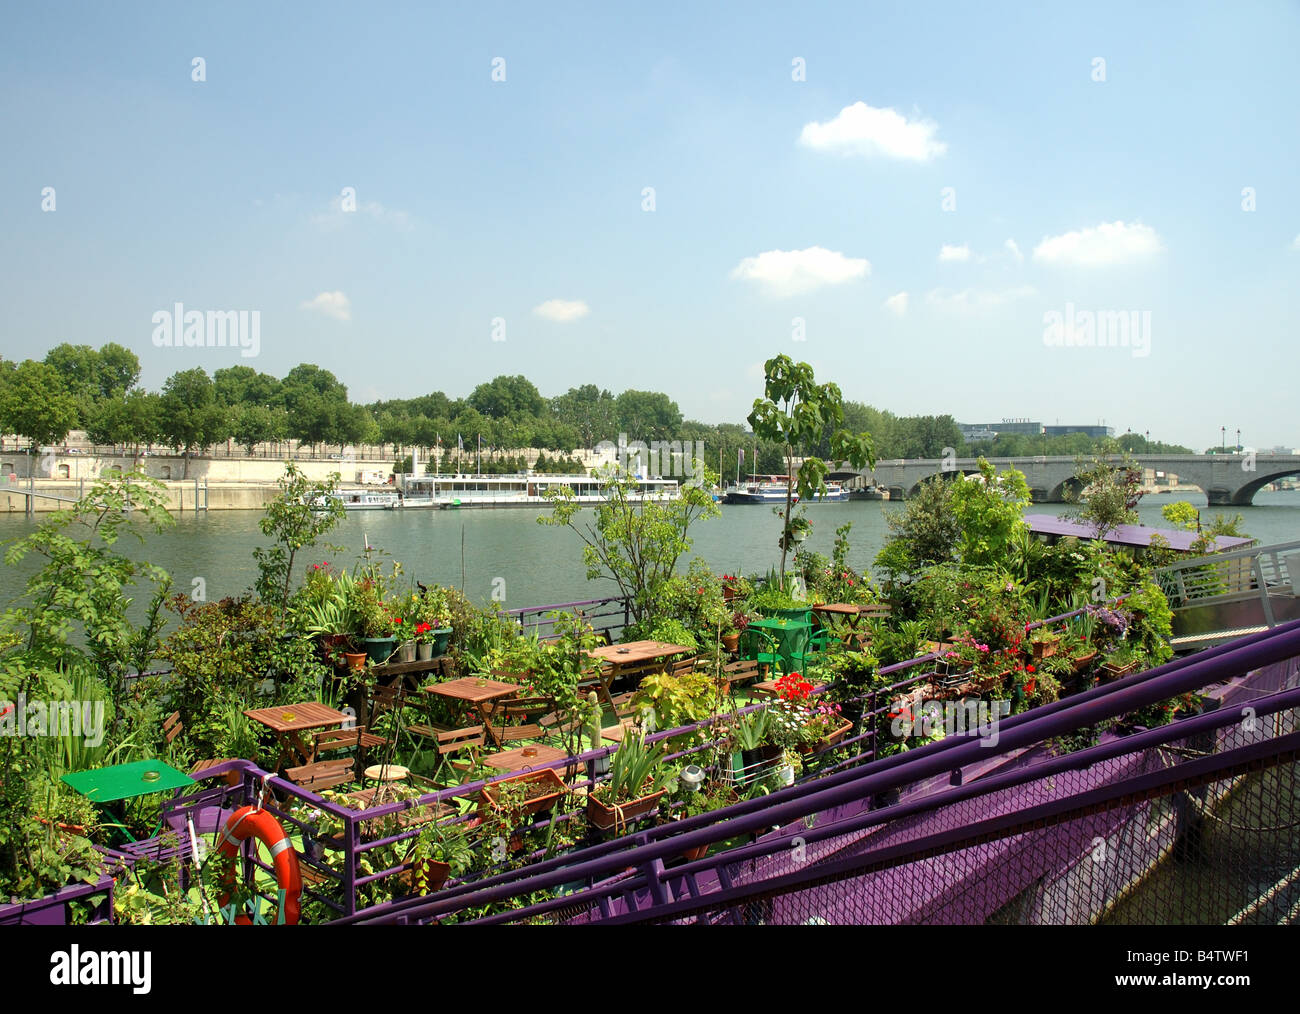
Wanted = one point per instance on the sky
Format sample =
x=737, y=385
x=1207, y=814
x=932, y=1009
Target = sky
x=926, y=202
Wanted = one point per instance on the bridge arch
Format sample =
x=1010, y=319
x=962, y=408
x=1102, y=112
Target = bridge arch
x=947, y=476
x=1245, y=494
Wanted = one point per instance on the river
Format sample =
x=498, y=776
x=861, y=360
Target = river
x=532, y=564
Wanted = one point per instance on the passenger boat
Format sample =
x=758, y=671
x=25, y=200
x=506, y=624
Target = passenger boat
x=764, y=489
x=369, y=499
x=460, y=491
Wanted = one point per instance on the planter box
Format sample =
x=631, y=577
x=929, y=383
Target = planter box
x=1111, y=671
x=52, y=910
x=546, y=779
x=1043, y=649
x=830, y=739
x=606, y=817
x=1081, y=662
x=378, y=649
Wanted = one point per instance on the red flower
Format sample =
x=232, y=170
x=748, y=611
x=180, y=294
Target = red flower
x=1030, y=668
x=1029, y=687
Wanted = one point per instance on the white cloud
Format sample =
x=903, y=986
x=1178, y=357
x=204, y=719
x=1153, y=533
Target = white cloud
x=1014, y=249
x=1295, y=243
x=861, y=129
x=954, y=253
x=794, y=272
x=977, y=299
x=562, y=310
x=1111, y=243
x=332, y=304
x=897, y=303
x=337, y=218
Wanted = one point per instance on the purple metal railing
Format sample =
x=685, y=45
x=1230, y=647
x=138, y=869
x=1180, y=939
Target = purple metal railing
x=849, y=793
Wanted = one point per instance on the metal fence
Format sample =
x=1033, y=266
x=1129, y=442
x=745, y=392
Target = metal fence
x=1192, y=822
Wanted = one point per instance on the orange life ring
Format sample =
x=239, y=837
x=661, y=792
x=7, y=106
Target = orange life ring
x=249, y=822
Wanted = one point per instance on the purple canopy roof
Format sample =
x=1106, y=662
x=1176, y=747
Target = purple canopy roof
x=1130, y=535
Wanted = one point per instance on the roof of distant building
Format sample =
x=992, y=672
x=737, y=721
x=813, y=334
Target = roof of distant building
x=1179, y=539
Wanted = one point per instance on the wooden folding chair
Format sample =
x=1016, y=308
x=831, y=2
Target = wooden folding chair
x=172, y=727
x=323, y=774
x=737, y=673
x=527, y=712
x=448, y=742
x=682, y=666
x=329, y=741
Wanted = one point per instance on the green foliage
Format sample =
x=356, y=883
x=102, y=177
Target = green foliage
x=296, y=519
x=634, y=543
x=989, y=510
x=678, y=700
x=798, y=413
x=1109, y=493
x=923, y=534
x=635, y=770
x=750, y=730
x=33, y=402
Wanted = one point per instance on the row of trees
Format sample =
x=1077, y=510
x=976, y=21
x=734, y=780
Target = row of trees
x=78, y=387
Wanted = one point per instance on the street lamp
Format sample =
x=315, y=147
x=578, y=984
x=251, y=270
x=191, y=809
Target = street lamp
x=1223, y=439
x=1238, y=441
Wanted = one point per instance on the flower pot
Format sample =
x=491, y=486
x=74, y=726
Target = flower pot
x=406, y=651
x=546, y=788
x=423, y=876
x=617, y=817
x=763, y=755
x=830, y=739
x=1081, y=662
x=356, y=660
x=728, y=593
x=441, y=638
x=424, y=651
x=1043, y=649
x=378, y=649
x=731, y=642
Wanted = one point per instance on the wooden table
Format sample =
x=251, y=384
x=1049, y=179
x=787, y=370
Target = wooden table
x=479, y=693
x=623, y=656
x=851, y=613
x=514, y=760
x=289, y=720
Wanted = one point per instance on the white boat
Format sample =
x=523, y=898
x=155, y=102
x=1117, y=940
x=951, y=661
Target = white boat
x=447, y=492
x=369, y=499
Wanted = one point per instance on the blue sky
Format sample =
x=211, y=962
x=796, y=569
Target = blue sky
x=523, y=199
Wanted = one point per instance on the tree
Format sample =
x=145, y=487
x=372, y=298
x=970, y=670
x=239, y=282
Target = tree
x=797, y=412
x=302, y=513
x=243, y=385
x=635, y=542
x=117, y=370
x=190, y=418
x=989, y=508
x=35, y=403
x=1109, y=494
x=253, y=424
x=315, y=402
x=924, y=533
x=590, y=411
x=647, y=415
x=507, y=398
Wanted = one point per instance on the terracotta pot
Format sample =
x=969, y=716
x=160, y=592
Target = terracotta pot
x=604, y=817
x=356, y=659
x=731, y=642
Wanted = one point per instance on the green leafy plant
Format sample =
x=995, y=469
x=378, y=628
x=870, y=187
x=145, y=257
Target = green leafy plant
x=636, y=770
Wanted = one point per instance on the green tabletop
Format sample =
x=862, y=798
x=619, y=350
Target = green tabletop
x=791, y=638
x=126, y=781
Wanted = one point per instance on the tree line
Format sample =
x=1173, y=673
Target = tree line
x=97, y=390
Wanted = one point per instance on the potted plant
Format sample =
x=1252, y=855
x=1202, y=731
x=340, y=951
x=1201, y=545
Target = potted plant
x=434, y=612
x=749, y=734
x=1043, y=643
x=375, y=620
x=1121, y=662
x=441, y=851
x=403, y=628
x=636, y=774
x=826, y=727
x=536, y=791
x=715, y=796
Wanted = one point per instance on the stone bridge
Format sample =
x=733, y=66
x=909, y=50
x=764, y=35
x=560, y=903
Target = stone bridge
x=1226, y=479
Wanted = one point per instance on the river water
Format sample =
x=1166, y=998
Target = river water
x=532, y=564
